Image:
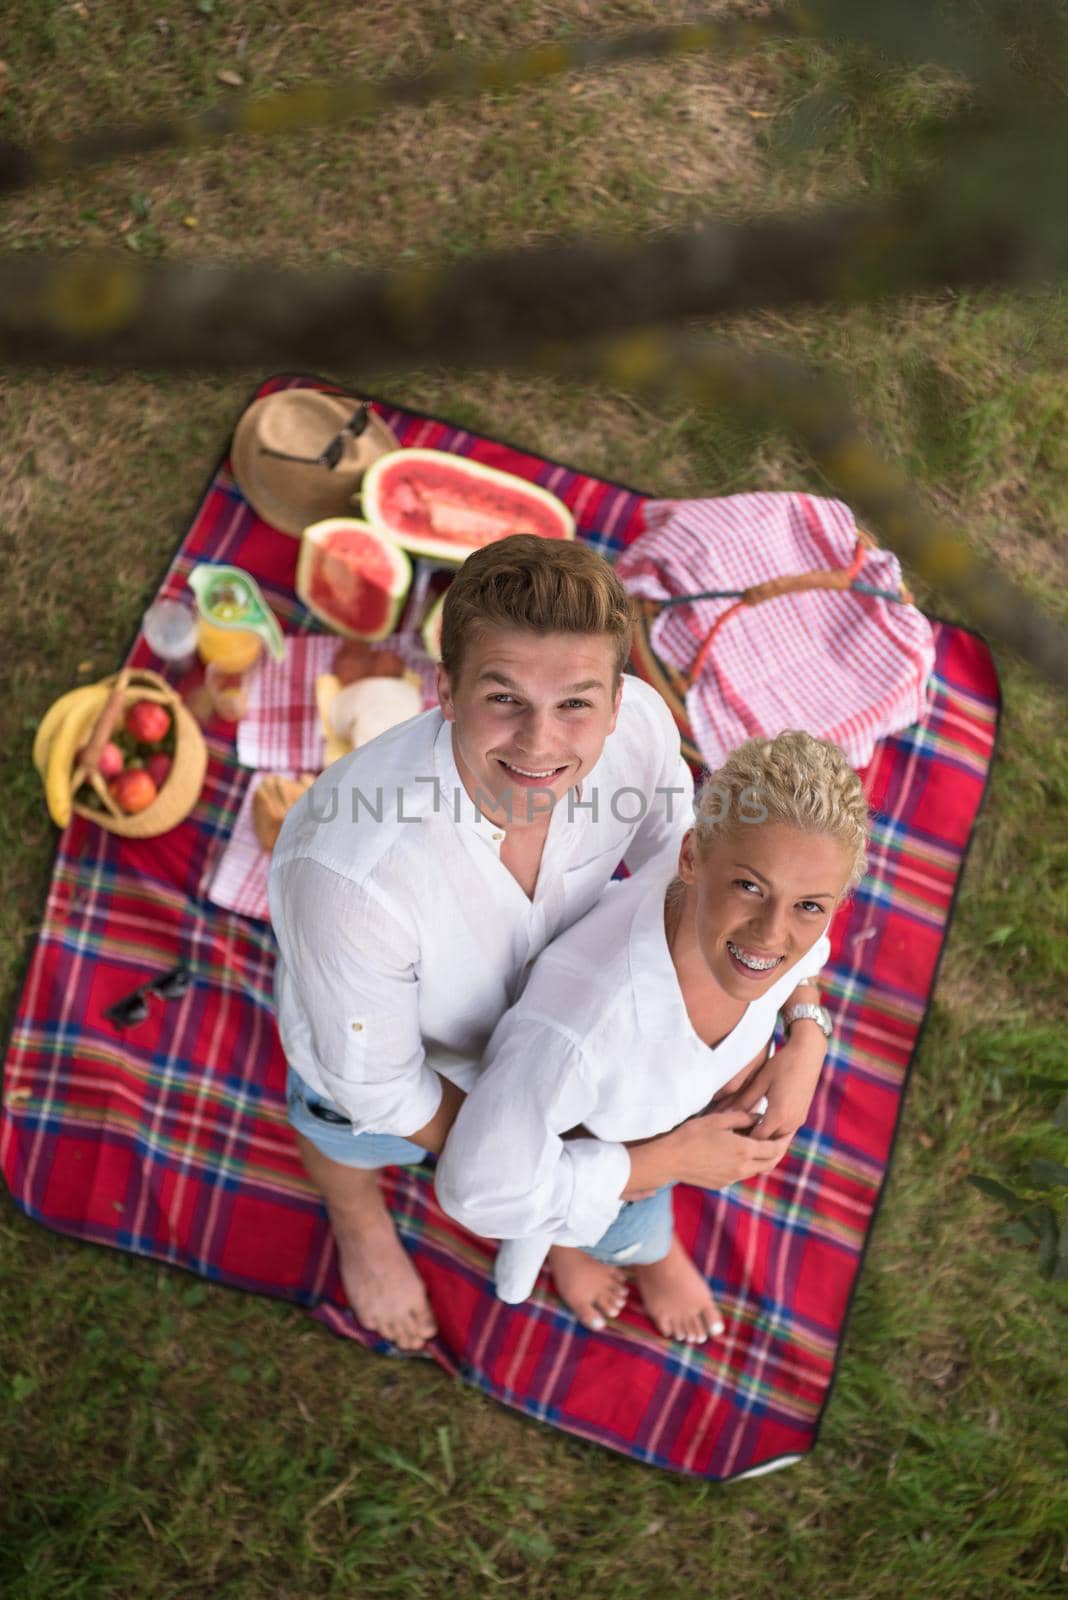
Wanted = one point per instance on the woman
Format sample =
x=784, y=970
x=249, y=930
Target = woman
x=660, y=1000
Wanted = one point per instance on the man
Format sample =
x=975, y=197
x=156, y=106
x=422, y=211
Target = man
x=416, y=881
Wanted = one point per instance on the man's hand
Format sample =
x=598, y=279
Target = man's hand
x=788, y=1080
x=710, y=1151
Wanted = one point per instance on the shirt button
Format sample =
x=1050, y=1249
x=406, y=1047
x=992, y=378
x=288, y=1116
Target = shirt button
x=357, y=1027
x=498, y=835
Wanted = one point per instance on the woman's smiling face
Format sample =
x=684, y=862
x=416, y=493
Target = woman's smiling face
x=761, y=896
x=530, y=715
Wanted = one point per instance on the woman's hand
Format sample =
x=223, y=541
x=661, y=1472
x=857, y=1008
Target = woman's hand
x=788, y=1080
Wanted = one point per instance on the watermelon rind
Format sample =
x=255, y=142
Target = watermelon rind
x=314, y=538
x=431, y=629
x=447, y=550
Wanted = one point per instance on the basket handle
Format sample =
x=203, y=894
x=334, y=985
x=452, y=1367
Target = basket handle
x=840, y=578
x=106, y=722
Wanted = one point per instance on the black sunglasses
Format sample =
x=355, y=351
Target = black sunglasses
x=134, y=1007
x=331, y=454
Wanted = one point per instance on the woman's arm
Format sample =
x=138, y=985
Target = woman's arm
x=787, y=1080
x=506, y=1170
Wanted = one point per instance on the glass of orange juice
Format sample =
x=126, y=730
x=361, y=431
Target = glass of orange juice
x=230, y=656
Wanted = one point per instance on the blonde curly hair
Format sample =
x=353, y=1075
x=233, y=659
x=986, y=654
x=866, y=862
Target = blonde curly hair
x=795, y=779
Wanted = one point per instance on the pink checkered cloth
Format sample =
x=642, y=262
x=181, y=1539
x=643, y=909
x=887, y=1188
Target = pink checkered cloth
x=846, y=667
x=239, y=882
x=281, y=731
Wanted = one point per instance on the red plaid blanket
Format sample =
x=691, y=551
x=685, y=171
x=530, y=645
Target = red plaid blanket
x=171, y=1140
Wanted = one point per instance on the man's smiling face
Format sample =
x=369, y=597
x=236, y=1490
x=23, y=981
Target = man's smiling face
x=530, y=715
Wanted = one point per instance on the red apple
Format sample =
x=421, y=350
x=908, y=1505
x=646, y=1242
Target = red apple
x=133, y=789
x=111, y=760
x=158, y=768
x=148, y=722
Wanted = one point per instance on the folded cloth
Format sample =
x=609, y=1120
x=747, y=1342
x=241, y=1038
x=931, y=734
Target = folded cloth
x=849, y=667
x=281, y=730
x=239, y=882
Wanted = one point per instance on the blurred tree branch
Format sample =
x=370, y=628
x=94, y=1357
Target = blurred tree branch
x=318, y=105
x=986, y=202
x=1003, y=219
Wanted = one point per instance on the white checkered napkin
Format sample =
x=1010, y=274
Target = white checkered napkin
x=239, y=882
x=845, y=667
x=281, y=730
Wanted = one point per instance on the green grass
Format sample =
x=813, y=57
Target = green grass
x=162, y=1437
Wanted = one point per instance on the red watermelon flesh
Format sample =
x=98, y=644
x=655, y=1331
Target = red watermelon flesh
x=451, y=504
x=353, y=578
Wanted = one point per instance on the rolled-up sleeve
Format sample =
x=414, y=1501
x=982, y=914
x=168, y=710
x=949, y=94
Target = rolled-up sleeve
x=348, y=998
x=506, y=1171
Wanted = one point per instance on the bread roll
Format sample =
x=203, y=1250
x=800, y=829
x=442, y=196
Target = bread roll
x=274, y=797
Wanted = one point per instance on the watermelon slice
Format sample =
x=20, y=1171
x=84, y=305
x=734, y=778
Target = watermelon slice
x=431, y=629
x=353, y=577
x=445, y=506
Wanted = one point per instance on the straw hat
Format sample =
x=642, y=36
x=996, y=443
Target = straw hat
x=302, y=422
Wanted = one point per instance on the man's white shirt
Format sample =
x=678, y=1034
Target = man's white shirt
x=403, y=937
x=600, y=1040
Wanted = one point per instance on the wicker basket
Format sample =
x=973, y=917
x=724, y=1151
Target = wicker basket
x=674, y=685
x=181, y=791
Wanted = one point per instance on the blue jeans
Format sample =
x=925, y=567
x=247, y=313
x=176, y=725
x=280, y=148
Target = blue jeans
x=325, y=1125
x=640, y=1234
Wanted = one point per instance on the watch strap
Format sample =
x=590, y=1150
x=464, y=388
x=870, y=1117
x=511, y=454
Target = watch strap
x=817, y=1014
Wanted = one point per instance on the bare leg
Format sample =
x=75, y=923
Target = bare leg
x=677, y=1298
x=381, y=1282
x=594, y=1290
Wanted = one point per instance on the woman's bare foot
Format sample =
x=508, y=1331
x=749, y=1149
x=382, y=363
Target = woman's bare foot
x=594, y=1290
x=677, y=1298
x=379, y=1277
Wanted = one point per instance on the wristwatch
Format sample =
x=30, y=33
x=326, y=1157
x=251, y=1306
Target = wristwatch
x=817, y=1014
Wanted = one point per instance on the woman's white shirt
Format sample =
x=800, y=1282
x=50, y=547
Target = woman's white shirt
x=600, y=1040
x=403, y=937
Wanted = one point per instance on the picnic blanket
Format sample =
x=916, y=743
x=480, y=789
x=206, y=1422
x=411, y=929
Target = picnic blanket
x=171, y=1140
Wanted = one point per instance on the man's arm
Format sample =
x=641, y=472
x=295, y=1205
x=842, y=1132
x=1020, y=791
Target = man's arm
x=432, y=1136
x=348, y=1000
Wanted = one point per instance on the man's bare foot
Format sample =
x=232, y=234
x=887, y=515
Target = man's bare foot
x=594, y=1290
x=677, y=1298
x=379, y=1277
x=382, y=1285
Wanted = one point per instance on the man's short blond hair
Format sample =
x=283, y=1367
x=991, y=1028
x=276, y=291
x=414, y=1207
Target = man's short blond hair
x=540, y=586
x=796, y=779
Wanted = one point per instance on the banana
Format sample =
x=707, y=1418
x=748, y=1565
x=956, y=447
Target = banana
x=57, y=713
x=72, y=732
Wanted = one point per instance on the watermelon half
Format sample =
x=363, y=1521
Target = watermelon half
x=353, y=577
x=444, y=506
